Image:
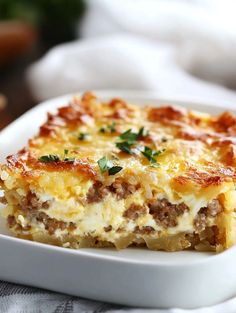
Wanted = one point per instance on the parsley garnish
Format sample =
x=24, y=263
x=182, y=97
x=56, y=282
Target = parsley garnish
x=102, y=130
x=112, y=127
x=142, y=133
x=66, y=151
x=129, y=136
x=150, y=154
x=55, y=158
x=108, y=129
x=106, y=165
x=69, y=159
x=83, y=136
x=114, y=170
x=65, y=158
x=124, y=146
x=49, y=158
x=132, y=137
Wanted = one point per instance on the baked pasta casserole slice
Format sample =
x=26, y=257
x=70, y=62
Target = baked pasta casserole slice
x=111, y=174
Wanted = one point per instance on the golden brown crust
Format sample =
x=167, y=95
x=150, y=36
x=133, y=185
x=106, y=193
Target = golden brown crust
x=225, y=122
x=81, y=166
x=166, y=114
x=24, y=159
x=76, y=113
x=205, y=179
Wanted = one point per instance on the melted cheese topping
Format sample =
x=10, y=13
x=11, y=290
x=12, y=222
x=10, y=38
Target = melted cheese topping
x=197, y=165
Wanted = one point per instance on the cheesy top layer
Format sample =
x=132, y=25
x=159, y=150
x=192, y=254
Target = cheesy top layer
x=184, y=156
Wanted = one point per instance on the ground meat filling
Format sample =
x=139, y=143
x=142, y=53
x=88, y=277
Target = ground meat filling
x=32, y=203
x=212, y=210
x=165, y=214
x=96, y=193
x=108, y=228
x=145, y=230
x=122, y=189
x=3, y=200
x=12, y=223
x=200, y=221
x=52, y=224
x=135, y=211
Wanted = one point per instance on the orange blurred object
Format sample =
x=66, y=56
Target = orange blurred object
x=2, y=102
x=16, y=38
x=5, y=117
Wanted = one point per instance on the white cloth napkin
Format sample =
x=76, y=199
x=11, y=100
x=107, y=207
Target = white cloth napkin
x=149, y=45
x=20, y=299
x=170, y=46
x=121, y=61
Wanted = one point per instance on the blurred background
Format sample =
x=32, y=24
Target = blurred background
x=177, y=48
x=28, y=29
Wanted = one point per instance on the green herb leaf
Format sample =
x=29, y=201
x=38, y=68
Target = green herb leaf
x=102, y=130
x=104, y=164
x=124, y=146
x=109, y=128
x=158, y=152
x=132, y=137
x=150, y=154
x=129, y=136
x=66, y=158
x=114, y=170
x=49, y=158
x=65, y=153
x=142, y=133
x=83, y=136
x=107, y=165
x=69, y=159
x=112, y=127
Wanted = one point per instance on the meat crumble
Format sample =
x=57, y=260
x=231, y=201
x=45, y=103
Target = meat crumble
x=122, y=189
x=211, y=210
x=96, y=193
x=135, y=211
x=52, y=224
x=165, y=214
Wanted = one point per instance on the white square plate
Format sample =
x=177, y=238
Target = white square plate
x=136, y=277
